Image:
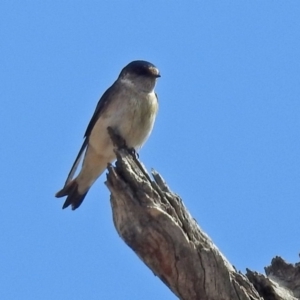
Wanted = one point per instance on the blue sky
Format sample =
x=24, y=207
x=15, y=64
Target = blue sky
x=226, y=138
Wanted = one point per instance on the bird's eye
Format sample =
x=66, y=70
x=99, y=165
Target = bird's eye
x=142, y=71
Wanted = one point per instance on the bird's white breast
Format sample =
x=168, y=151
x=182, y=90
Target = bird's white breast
x=131, y=114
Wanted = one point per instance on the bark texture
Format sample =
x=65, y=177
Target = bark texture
x=154, y=223
x=282, y=281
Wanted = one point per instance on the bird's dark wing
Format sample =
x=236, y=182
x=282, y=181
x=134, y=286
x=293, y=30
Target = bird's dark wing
x=101, y=106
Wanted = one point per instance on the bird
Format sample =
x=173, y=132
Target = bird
x=129, y=107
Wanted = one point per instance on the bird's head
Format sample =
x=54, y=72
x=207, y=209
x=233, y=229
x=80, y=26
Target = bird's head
x=140, y=74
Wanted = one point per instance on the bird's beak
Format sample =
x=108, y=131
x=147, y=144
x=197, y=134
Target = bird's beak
x=154, y=72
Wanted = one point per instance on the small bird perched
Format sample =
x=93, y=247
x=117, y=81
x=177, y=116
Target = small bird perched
x=129, y=107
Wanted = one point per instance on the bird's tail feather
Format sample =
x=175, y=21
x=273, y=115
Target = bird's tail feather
x=74, y=198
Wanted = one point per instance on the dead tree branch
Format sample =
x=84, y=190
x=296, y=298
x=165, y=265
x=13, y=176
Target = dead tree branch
x=155, y=224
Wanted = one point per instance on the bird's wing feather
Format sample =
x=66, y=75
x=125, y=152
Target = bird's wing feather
x=76, y=162
x=101, y=106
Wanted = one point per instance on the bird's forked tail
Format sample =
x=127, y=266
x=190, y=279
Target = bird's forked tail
x=74, y=198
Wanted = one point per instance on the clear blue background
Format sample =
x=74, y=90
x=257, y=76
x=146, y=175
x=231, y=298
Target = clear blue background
x=226, y=137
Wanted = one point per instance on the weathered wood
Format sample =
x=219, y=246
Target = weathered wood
x=269, y=289
x=155, y=224
x=282, y=281
x=153, y=221
x=285, y=274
